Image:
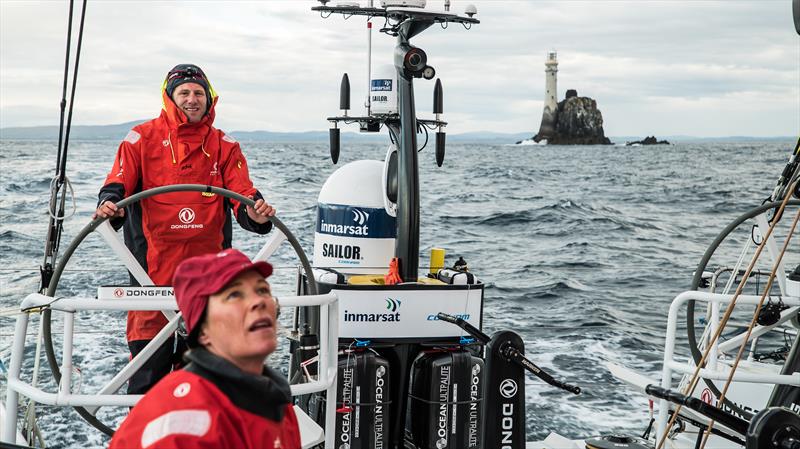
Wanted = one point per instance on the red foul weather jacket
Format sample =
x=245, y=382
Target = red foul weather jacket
x=212, y=404
x=163, y=230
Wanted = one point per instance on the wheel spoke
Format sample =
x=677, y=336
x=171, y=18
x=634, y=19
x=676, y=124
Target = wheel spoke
x=271, y=245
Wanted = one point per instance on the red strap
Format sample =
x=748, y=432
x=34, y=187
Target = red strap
x=393, y=277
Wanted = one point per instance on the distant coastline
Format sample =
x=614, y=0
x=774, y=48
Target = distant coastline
x=118, y=132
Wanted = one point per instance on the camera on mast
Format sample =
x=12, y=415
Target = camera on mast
x=413, y=60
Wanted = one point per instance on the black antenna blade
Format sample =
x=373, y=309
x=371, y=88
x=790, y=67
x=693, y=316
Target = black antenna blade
x=335, y=135
x=344, y=93
x=796, y=14
x=440, y=143
x=438, y=101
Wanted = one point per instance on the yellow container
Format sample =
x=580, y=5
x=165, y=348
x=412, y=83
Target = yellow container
x=366, y=279
x=437, y=260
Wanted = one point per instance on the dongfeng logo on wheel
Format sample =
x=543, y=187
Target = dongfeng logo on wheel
x=186, y=217
x=508, y=388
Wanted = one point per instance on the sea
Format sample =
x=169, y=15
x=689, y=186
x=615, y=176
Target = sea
x=581, y=248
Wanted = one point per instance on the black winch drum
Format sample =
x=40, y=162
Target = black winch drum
x=362, y=410
x=445, y=410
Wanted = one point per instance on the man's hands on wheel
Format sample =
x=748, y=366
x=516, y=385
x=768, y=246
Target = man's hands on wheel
x=108, y=209
x=260, y=212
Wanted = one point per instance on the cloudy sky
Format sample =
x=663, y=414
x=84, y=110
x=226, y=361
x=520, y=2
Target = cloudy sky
x=702, y=68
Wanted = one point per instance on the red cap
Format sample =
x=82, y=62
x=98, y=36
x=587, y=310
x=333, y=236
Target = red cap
x=196, y=278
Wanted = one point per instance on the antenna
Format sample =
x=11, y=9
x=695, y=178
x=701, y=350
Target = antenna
x=334, y=134
x=438, y=102
x=344, y=94
x=368, y=103
x=470, y=10
x=438, y=108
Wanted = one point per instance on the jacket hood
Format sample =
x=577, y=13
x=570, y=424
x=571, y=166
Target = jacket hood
x=176, y=117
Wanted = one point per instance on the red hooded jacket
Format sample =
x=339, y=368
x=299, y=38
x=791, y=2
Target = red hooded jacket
x=163, y=230
x=211, y=404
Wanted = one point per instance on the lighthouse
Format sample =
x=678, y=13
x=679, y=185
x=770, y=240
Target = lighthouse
x=547, y=128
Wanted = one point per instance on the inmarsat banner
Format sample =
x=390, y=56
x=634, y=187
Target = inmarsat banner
x=406, y=313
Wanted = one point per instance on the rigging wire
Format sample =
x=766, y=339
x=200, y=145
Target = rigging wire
x=63, y=104
x=56, y=206
x=56, y=225
x=57, y=202
x=789, y=176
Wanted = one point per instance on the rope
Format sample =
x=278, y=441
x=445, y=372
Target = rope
x=770, y=281
x=54, y=187
x=696, y=375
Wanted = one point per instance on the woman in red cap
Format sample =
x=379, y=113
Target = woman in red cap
x=225, y=397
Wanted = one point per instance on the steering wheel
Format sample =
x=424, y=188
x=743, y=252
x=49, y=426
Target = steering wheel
x=697, y=354
x=92, y=226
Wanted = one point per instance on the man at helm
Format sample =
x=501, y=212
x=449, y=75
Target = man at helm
x=181, y=146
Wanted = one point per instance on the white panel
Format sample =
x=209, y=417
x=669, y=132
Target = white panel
x=405, y=313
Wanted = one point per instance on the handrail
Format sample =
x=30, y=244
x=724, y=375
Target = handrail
x=326, y=381
x=672, y=365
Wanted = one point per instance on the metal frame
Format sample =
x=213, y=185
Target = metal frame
x=326, y=381
x=404, y=23
x=674, y=366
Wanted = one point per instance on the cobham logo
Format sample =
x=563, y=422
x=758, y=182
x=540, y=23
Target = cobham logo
x=186, y=217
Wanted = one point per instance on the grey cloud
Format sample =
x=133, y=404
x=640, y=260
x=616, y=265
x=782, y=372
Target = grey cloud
x=277, y=65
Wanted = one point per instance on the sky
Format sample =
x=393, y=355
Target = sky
x=699, y=68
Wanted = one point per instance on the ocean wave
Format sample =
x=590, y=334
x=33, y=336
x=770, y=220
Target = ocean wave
x=580, y=259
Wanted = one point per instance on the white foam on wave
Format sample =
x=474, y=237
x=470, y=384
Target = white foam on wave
x=527, y=142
